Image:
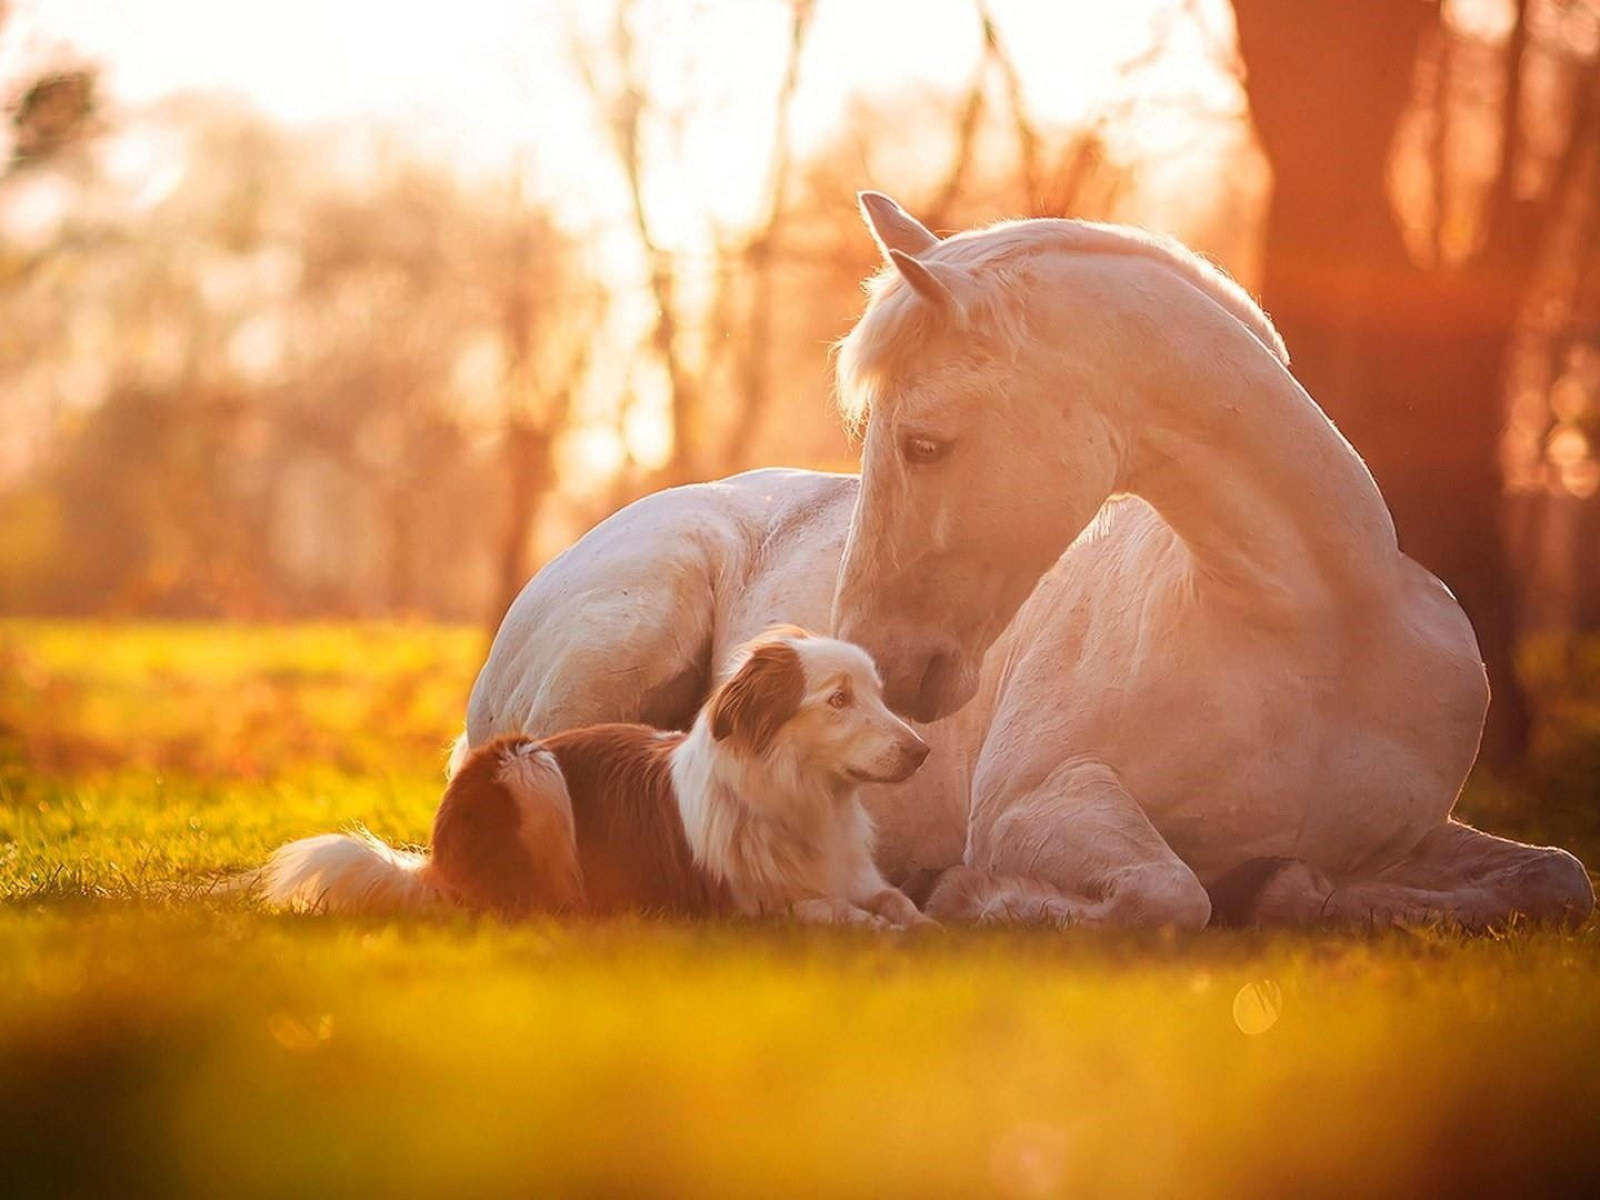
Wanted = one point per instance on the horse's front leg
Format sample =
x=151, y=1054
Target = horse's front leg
x=1075, y=848
x=1455, y=875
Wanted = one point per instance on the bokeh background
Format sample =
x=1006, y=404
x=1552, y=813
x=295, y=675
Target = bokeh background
x=366, y=309
x=323, y=323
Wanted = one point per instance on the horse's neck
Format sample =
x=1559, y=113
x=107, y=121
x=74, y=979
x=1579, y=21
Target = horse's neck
x=1273, y=503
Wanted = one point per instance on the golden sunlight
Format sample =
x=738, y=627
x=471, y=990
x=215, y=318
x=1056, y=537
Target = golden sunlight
x=422, y=454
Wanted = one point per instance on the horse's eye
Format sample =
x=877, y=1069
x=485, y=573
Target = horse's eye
x=920, y=451
x=839, y=699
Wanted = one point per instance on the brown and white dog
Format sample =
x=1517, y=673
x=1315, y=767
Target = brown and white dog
x=754, y=810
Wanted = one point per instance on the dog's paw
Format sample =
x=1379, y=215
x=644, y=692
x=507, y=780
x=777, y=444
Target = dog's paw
x=896, y=908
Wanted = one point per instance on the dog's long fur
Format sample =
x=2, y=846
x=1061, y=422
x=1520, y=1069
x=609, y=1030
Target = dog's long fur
x=753, y=810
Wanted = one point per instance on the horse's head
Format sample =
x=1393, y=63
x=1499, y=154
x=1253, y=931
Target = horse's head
x=986, y=452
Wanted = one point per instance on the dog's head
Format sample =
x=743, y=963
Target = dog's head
x=818, y=701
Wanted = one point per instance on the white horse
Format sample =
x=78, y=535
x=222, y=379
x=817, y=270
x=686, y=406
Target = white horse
x=1102, y=527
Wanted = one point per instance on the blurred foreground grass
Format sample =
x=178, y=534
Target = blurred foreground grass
x=156, y=1039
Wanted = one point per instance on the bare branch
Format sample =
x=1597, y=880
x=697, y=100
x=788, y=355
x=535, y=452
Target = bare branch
x=755, y=348
x=780, y=168
x=967, y=124
x=623, y=110
x=1026, y=134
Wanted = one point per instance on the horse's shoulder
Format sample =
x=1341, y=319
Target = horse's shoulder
x=1127, y=550
x=1121, y=592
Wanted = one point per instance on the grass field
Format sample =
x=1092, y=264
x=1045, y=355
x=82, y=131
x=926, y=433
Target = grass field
x=158, y=1039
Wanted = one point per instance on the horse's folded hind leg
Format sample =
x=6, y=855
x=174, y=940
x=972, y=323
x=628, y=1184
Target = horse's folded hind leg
x=1496, y=878
x=1456, y=875
x=590, y=642
x=1278, y=892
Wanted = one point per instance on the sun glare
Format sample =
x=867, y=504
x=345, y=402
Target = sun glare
x=490, y=82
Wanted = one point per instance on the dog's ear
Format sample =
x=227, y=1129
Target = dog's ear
x=765, y=692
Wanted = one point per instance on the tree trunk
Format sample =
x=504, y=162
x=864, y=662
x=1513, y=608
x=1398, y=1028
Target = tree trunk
x=526, y=455
x=1409, y=362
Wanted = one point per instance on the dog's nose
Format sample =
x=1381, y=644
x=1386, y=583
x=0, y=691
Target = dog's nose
x=915, y=752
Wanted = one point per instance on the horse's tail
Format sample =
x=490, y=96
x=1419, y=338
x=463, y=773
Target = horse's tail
x=503, y=842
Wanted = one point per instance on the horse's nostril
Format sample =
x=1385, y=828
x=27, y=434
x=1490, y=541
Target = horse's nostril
x=916, y=751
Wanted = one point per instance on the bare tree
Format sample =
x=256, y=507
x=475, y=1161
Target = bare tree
x=760, y=249
x=614, y=71
x=994, y=59
x=614, y=74
x=547, y=313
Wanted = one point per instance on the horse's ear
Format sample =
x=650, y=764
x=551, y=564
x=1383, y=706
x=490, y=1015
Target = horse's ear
x=893, y=228
x=934, y=282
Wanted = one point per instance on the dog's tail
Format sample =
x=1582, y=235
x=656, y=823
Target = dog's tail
x=349, y=873
x=503, y=842
x=459, y=750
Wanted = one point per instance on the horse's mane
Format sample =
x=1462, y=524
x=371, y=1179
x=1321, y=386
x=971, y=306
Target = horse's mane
x=893, y=325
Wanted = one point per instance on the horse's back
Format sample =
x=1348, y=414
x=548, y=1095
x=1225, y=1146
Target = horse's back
x=628, y=622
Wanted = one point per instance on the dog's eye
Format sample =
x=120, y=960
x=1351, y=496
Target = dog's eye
x=839, y=699
x=920, y=451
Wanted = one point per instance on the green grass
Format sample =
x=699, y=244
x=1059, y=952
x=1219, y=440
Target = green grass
x=157, y=1038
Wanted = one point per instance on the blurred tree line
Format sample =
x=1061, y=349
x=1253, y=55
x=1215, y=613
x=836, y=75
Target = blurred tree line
x=245, y=374
x=254, y=371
